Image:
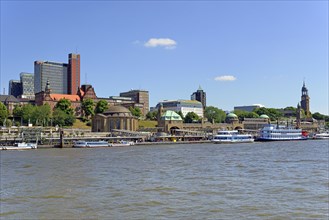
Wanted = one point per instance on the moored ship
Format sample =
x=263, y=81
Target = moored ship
x=20, y=146
x=323, y=135
x=272, y=132
x=122, y=144
x=82, y=144
x=226, y=137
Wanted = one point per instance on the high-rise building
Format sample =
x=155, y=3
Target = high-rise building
x=27, y=82
x=305, y=101
x=15, y=88
x=64, y=78
x=55, y=73
x=73, y=74
x=200, y=96
x=140, y=97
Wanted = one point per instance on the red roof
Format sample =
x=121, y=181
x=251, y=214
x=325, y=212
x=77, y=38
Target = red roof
x=57, y=97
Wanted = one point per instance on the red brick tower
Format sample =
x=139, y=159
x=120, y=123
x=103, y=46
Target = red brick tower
x=73, y=74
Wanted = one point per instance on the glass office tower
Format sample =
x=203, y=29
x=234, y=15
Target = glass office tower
x=55, y=73
x=27, y=82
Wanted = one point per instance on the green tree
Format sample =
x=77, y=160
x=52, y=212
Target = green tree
x=65, y=106
x=101, y=106
x=3, y=113
x=18, y=111
x=245, y=114
x=214, y=114
x=152, y=115
x=318, y=116
x=135, y=111
x=274, y=114
x=191, y=117
x=62, y=119
x=59, y=117
x=28, y=111
x=18, y=115
x=41, y=114
x=290, y=108
x=88, y=107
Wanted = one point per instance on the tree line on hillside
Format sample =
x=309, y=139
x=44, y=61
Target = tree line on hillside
x=62, y=115
x=216, y=115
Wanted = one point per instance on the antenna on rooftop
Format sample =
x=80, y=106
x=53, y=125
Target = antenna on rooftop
x=85, y=78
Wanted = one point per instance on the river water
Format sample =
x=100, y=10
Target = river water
x=275, y=180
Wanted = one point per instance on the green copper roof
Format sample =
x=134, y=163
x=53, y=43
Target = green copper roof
x=171, y=116
x=264, y=116
x=231, y=115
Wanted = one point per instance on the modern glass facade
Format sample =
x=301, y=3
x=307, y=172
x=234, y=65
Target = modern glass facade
x=55, y=73
x=27, y=81
x=15, y=88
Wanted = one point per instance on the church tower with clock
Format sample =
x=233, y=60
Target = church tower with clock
x=305, y=102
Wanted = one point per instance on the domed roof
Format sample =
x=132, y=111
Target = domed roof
x=117, y=110
x=171, y=116
x=231, y=115
x=11, y=98
x=264, y=116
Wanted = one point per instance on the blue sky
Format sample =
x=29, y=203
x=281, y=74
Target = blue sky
x=239, y=52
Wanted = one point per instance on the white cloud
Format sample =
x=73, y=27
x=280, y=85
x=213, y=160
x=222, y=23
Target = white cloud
x=167, y=43
x=225, y=78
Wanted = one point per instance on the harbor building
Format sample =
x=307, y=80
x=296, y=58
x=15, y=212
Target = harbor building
x=15, y=88
x=47, y=96
x=231, y=118
x=248, y=108
x=115, y=118
x=255, y=124
x=86, y=91
x=139, y=97
x=10, y=102
x=200, y=96
x=184, y=106
x=171, y=122
x=125, y=102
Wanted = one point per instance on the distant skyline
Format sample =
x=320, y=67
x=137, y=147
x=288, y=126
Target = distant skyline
x=239, y=52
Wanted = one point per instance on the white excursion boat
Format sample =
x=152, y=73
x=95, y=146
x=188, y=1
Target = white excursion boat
x=122, y=144
x=224, y=137
x=21, y=146
x=272, y=132
x=323, y=135
x=82, y=144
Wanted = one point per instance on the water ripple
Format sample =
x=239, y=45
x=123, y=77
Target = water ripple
x=249, y=181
